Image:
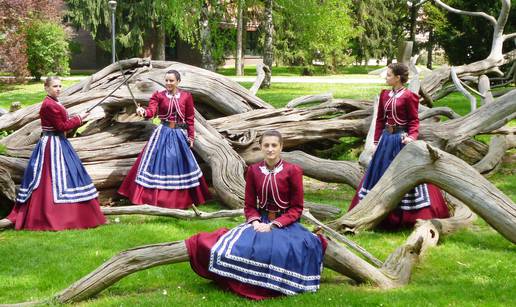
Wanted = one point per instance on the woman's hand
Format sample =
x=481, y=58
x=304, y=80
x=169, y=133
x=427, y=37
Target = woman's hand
x=140, y=111
x=190, y=142
x=84, y=115
x=261, y=227
x=405, y=139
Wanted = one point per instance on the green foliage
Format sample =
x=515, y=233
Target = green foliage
x=47, y=49
x=380, y=26
x=308, y=31
x=137, y=22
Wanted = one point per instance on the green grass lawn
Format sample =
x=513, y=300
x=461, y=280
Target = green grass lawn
x=26, y=94
x=474, y=267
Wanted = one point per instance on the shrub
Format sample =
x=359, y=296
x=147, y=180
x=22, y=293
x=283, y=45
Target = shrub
x=47, y=49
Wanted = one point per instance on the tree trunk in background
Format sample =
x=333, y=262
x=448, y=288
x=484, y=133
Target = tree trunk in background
x=429, y=48
x=206, y=57
x=239, y=47
x=413, y=21
x=267, y=48
x=154, y=45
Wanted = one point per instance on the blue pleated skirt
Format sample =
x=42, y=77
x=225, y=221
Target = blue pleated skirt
x=168, y=162
x=288, y=260
x=388, y=148
x=70, y=181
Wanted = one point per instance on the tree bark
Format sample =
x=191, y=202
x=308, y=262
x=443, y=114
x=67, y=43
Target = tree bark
x=239, y=65
x=428, y=164
x=207, y=61
x=154, y=43
x=268, y=56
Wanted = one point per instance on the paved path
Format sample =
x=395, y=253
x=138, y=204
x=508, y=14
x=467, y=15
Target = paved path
x=326, y=79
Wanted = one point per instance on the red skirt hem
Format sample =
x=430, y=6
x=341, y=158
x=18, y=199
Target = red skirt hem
x=199, y=248
x=399, y=218
x=40, y=213
x=172, y=199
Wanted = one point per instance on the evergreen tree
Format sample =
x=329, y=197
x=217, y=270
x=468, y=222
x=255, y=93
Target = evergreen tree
x=381, y=26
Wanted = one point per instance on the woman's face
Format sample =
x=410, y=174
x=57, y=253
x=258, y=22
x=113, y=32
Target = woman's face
x=271, y=148
x=391, y=79
x=171, y=82
x=54, y=89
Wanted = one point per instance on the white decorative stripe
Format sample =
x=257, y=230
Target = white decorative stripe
x=223, y=244
x=392, y=103
x=61, y=192
x=275, y=189
x=156, y=181
x=418, y=199
x=25, y=193
x=270, y=183
x=235, y=238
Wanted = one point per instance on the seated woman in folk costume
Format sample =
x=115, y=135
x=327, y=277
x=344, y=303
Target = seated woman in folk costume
x=56, y=192
x=397, y=124
x=166, y=173
x=271, y=253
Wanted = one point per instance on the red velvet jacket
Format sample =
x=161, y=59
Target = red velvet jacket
x=400, y=109
x=278, y=190
x=55, y=118
x=166, y=107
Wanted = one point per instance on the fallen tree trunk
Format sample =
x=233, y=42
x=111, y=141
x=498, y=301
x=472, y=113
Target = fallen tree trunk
x=428, y=164
x=141, y=258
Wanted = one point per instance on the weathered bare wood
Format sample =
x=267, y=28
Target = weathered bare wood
x=176, y=213
x=484, y=87
x=322, y=212
x=414, y=83
x=5, y=223
x=369, y=147
x=438, y=111
x=460, y=88
x=309, y=99
x=435, y=81
x=260, y=76
x=226, y=165
x=326, y=170
x=337, y=236
x=7, y=184
x=496, y=58
x=449, y=173
x=449, y=134
x=494, y=156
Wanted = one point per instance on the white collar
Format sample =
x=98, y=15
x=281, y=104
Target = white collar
x=398, y=94
x=278, y=168
x=177, y=95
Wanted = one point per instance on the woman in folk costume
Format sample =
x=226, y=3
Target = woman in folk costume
x=271, y=253
x=166, y=173
x=56, y=193
x=397, y=124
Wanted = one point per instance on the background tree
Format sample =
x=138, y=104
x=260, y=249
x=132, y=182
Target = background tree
x=467, y=39
x=268, y=52
x=313, y=30
x=141, y=26
x=17, y=17
x=241, y=27
x=380, y=25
